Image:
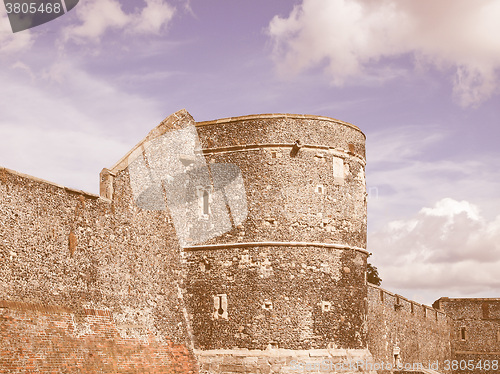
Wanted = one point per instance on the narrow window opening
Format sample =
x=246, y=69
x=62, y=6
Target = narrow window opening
x=381, y=295
x=498, y=335
x=273, y=154
x=204, y=199
x=205, y=202
x=463, y=333
x=320, y=189
x=326, y=306
x=220, y=306
x=267, y=305
x=220, y=310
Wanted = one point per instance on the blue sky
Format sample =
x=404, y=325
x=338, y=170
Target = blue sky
x=420, y=78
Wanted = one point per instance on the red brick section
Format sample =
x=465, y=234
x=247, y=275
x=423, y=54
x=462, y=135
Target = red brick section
x=47, y=339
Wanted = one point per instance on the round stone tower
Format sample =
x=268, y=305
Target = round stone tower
x=291, y=274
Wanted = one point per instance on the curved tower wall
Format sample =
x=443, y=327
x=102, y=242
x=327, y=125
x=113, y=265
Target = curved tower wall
x=292, y=275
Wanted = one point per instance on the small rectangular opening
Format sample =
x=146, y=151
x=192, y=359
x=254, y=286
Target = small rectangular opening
x=326, y=306
x=220, y=306
x=268, y=305
x=204, y=200
x=273, y=345
x=381, y=295
x=273, y=154
x=463, y=333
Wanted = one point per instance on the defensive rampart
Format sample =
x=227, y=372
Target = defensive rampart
x=475, y=333
x=401, y=331
x=87, y=284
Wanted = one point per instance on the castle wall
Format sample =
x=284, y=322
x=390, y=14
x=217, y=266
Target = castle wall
x=289, y=280
x=87, y=284
x=315, y=193
x=420, y=333
x=290, y=297
x=106, y=284
x=475, y=334
x=300, y=248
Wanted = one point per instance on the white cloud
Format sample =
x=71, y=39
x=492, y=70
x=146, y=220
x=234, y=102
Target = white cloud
x=12, y=43
x=99, y=16
x=153, y=17
x=449, y=247
x=25, y=68
x=408, y=167
x=351, y=36
x=96, y=18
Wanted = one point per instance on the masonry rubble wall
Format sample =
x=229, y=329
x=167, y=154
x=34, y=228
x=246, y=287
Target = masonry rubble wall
x=87, y=284
x=98, y=284
x=419, y=333
x=475, y=333
x=292, y=274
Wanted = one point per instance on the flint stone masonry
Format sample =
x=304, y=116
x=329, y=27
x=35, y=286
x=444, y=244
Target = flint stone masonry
x=262, y=259
x=420, y=333
x=79, y=253
x=105, y=284
x=480, y=318
x=296, y=280
x=281, y=192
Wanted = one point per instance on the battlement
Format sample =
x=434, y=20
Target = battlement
x=402, y=303
x=4, y=172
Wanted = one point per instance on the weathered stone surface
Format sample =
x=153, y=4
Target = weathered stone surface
x=419, y=333
x=84, y=254
x=286, y=361
x=475, y=332
x=95, y=284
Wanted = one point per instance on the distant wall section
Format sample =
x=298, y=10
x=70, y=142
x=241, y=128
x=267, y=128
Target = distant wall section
x=475, y=333
x=418, y=334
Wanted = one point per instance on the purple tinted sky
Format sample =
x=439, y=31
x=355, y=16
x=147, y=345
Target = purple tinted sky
x=419, y=79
